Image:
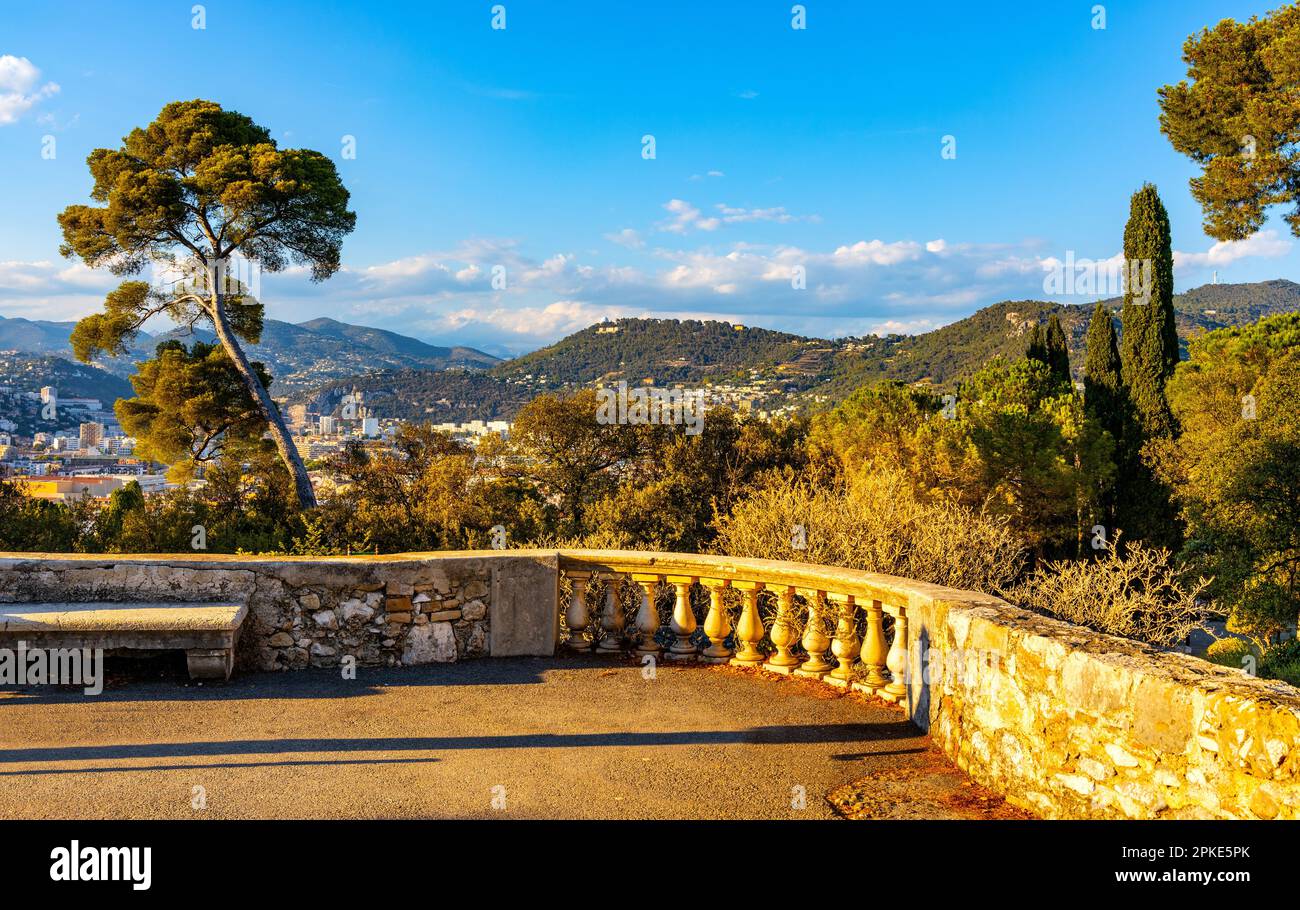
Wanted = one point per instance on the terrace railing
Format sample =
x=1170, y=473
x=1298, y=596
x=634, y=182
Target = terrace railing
x=846, y=628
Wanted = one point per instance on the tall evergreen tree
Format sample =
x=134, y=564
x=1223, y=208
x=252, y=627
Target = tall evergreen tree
x=1148, y=356
x=1103, y=385
x=1036, y=344
x=1149, y=345
x=1058, y=351
x=1105, y=403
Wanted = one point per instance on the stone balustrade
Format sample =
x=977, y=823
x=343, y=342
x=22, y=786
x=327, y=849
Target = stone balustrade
x=866, y=636
x=1062, y=720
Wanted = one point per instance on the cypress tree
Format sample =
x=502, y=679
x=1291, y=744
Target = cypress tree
x=1105, y=405
x=1058, y=351
x=1103, y=387
x=1149, y=344
x=1036, y=345
x=1148, y=355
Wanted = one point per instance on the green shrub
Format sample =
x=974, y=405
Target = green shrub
x=1282, y=661
x=1229, y=652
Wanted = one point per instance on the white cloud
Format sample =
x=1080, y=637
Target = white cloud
x=627, y=237
x=864, y=286
x=20, y=88
x=686, y=217
x=1266, y=244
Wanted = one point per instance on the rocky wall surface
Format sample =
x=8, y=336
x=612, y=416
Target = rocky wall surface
x=380, y=611
x=1070, y=723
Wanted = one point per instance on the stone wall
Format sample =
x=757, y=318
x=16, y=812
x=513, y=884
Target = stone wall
x=1070, y=723
x=1063, y=721
x=312, y=612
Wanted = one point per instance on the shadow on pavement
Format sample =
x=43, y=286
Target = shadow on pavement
x=771, y=735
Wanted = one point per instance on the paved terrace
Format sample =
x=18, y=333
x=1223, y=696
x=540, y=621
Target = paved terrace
x=564, y=737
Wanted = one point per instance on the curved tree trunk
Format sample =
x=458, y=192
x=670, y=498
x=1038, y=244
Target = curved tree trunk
x=275, y=423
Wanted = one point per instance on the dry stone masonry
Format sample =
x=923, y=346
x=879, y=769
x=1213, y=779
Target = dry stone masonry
x=314, y=612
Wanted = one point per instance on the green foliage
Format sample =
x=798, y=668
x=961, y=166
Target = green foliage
x=1048, y=346
x=878, y=424
x=196, y=187
x=1013, y=441
x=1024, y=451
x=199, y=171
x=431, y=493
x=191, y=405
x=1229, y=652
x=1149, y=354
x=669, y=498
x=1106, y=408
x=571, y=457
x=36, y=525
x=1238, y=118
x=1236, y=468
x=1282, y=661
x=1149, y=344
x=669, y=350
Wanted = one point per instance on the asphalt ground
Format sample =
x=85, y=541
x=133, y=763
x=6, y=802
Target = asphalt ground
x=557, y=738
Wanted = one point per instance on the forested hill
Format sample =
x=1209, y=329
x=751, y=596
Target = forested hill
x=958, y=349
x=667, y=350
x=786, y=368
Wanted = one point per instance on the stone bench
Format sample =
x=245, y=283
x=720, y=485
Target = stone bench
x=206, y=632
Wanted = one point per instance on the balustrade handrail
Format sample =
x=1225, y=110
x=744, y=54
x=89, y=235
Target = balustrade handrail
x=859, y=605
x=863, y=586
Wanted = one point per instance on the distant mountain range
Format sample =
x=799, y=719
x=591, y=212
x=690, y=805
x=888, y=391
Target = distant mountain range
x=316, y=362
x=300, y=356
x=797, y=369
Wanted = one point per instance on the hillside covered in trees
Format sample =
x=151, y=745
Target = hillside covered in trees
x=811, y=372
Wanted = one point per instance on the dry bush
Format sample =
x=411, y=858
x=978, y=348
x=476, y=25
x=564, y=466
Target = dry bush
x=874, y=522
x=1133, y=591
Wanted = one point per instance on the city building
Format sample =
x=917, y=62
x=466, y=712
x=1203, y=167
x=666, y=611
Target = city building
x=91, y=435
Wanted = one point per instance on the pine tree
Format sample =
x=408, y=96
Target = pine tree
x=1149, y=344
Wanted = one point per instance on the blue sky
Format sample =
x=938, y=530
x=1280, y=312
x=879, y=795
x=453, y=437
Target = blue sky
x=522, y=148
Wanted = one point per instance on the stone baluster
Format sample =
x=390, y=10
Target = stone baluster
x=845, y=644
x=611, y=619
x=576, y=617
x=783, y=633
x=815, y=641
x=873, y=650
x=896, y=661
x=749, y=630
x=647, y=618
x=683, y=623
x=717, y=625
